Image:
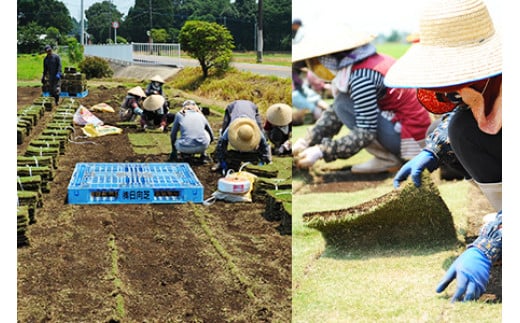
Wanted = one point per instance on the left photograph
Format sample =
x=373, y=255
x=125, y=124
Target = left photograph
x=154, y=161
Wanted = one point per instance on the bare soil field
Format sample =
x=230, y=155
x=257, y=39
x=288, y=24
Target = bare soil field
x=149, y=262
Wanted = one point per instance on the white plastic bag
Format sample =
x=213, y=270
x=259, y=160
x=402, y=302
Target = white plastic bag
x=83, y=116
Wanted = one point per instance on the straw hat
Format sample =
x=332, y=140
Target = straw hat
x=244, y=134
x=157, y=78
x=153, y=102
x=322, y=41
x=137, y=91
x=458, y=44
x=279, y=114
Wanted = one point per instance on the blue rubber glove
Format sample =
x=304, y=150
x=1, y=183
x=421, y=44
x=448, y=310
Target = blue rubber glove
x=138, y=111
x=414, y=167
x=471, y=269
x=58, y=75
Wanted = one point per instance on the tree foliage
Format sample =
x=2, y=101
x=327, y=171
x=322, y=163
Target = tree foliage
x=100, y=17
x=45, y=13
x=75, y=50
x=208, y=42
x=239, y=17
x=29, y=41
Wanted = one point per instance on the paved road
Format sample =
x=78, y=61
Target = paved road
x=262, y=69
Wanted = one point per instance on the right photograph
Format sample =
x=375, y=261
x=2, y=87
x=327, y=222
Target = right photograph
x=397, y=161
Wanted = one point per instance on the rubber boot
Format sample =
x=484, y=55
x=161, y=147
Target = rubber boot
x=493, y=192
x=383, y=161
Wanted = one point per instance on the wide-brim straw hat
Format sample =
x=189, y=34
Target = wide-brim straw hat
x=279, y=114
x=137, y=91
x=157, y=78
x=322, y=40
x=244, y=134
x=457, y=44
x=153, y=102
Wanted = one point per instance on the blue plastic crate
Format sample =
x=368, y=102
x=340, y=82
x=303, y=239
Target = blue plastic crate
x=134, y=183
x=69, y=95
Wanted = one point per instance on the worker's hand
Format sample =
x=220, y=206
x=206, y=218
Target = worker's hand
x=138, y=111
x=309, y=156
x=58, y=75
x=299, y=146
x=471, y=270
x=414, y=167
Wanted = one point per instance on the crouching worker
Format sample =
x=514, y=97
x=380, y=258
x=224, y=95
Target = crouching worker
x=278, y=128
x=132, y=105
x=155, y=113
x=195, y=134
x=248, y=142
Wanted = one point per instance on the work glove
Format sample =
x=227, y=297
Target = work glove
x=58, y=75
x=309, y=156
x=414, y=167
x=299, y=146
x=138, y=111
x=471, y=269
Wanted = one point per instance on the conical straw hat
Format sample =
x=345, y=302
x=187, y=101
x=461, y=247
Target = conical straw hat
x=457, y=44
x=157, y=78
x=153, y=102
x=137, y=91
x=279, y=114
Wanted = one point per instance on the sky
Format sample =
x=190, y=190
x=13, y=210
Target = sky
x=374, y=16
x=74, y=6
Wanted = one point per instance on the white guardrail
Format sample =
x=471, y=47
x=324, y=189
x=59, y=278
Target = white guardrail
x=138, y=53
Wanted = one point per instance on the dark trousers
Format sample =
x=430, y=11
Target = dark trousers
x=479, y=153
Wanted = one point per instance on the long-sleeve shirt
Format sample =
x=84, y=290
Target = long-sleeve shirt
x=51, y=66
x=192, y=126
x=241, y=108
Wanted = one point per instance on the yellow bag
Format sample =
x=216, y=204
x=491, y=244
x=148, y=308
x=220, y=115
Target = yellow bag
x=91, y=130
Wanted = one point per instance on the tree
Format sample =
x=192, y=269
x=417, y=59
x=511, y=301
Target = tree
x=75, y=50
x=160, y=35
x=45, y=13
x=29, y=40
x=100, y=17
x=146, y=15
x=208, y=42
x=53, y=36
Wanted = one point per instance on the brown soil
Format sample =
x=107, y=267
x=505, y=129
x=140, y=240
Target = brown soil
x=149, y=262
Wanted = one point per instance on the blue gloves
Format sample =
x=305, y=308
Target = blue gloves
x=471, y=269
x=414, y=167
x=58, y=75
x=138, y=111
